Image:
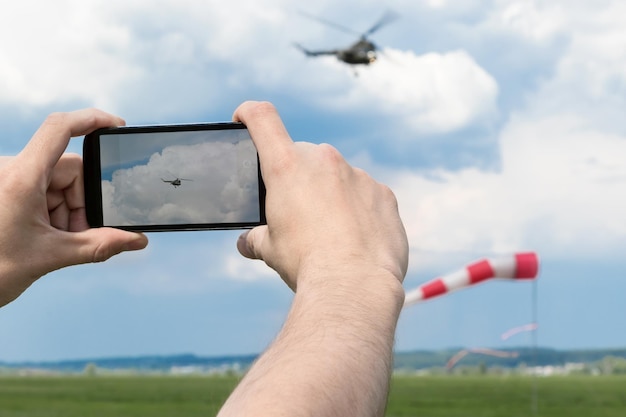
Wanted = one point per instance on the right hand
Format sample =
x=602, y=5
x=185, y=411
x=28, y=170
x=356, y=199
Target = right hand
x=324, y=217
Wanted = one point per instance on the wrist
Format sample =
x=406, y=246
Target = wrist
x=362, y=297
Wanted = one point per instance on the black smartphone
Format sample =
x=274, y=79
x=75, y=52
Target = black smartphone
x=173, y=177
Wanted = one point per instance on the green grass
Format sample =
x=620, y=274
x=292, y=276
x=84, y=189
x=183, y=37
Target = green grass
x=507, y=396
x=113, y=396
x=432, y=396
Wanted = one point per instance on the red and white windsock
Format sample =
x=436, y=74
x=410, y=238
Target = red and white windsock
x=523, y=265
x=483, y=351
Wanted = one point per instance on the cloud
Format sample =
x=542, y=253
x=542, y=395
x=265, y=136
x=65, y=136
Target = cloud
x=242, y=269
x=64, y=52
x=560, y=191
x=531, y=19
x=120, y=56
x=174, y=264
x=431, y=93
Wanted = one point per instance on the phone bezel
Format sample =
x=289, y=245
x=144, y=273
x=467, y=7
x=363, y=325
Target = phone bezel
x=93, y=178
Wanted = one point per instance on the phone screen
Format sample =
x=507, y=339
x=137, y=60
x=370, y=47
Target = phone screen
x=174, y=178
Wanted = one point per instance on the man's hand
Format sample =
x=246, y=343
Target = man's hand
x=42, y=210
x=322, y=214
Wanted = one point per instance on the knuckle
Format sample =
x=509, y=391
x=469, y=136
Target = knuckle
x=283, y=165
x=258, y=109
x=387, y=191
x=57, y=122
x=330, y=155
x=101, y=253
x=361, y=173
x=389, y=195
x=56, y=119
x=90, y=116
x=329, y=151
x=71, y=160
x=93, y=116
x=67, y=172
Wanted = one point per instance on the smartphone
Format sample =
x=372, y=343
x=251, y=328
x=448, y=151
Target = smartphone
x=173, y=177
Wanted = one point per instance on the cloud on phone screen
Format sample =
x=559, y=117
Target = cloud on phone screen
x=215, y=187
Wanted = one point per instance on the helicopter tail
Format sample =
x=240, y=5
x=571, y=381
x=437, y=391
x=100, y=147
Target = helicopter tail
x=308, y=52
x=303, y=49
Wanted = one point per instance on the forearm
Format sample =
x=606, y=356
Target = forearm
x=333, y=356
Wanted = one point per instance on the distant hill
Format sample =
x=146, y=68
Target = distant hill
x=525, y=356
x=139, y=363
x=414, y=360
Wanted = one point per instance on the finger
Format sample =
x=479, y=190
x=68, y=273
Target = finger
x=98, y=245
x=266, y=128
x=67, y=177
x=250, y=242
x=51, y=139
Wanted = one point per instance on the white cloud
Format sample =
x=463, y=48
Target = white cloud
x=560, y=191
x=561, y=188
x=589, y=80
x=120, y=55
x=431, y=93
x=61, y=51
x=238, y=268
x=173, y=264
x=532, y=19
x=436, y=3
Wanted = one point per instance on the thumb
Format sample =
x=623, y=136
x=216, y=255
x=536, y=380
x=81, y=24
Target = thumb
x=100, y=244
x=250, y=242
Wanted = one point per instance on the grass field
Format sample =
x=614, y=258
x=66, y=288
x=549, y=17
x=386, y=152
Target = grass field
x=493, y=396
x=433, y=396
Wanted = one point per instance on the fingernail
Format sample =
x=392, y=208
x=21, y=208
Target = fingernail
x=244, y=235
x=140, y=242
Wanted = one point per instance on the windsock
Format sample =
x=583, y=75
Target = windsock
x=483, y=351
x=519, y=329
x=523, y=265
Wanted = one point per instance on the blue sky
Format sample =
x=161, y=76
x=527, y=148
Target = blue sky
x=498, y=124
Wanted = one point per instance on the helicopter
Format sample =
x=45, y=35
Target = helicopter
x=361, y=52
x=176, y=182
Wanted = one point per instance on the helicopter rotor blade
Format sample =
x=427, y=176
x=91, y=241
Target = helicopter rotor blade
x=388, y=17
x=331, y=24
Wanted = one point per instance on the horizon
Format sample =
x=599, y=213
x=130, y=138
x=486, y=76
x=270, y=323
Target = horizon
x=253, y=356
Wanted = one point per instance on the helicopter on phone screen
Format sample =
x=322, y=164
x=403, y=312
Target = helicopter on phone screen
x=176, y=182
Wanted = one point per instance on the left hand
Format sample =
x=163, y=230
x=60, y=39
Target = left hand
x=42, y=209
